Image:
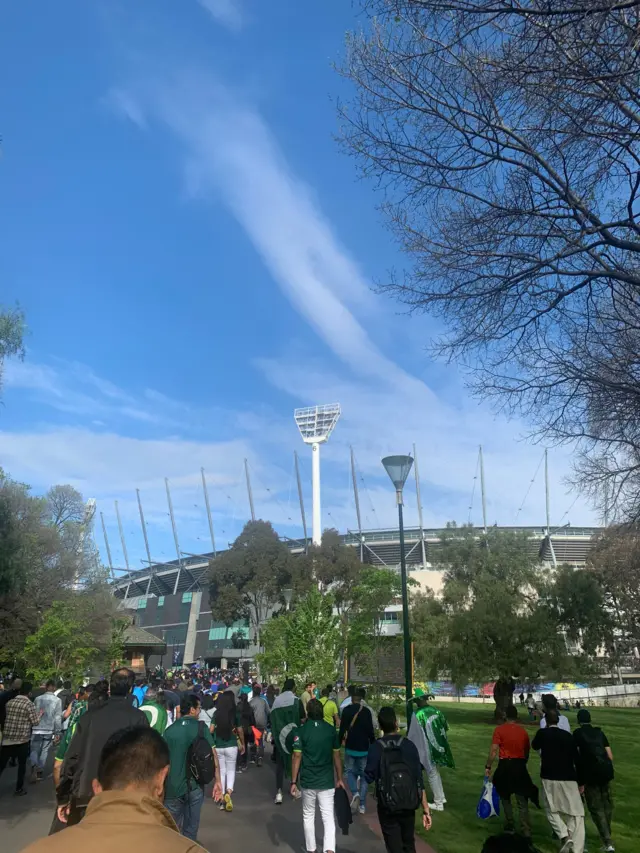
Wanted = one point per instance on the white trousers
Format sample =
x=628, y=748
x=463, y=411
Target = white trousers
x=227, y=758
x=435, y=783
x=325, y=801
x=558, y=800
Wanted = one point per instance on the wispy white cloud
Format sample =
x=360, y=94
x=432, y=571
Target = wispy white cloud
x=226, y=12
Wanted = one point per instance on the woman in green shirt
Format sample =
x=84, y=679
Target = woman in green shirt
x=227, y=734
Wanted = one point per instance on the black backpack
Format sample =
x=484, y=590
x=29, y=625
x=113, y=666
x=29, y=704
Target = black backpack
x=601, y=766
x=200, y=763
x=397, y=786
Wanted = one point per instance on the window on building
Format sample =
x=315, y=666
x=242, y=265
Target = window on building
x=218, y=632
x=393, y=616
x=161, y=601
x=186, y=597
x=142, y=603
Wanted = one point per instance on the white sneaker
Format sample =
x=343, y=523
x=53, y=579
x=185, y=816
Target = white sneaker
x=609, y=849
x=355, y=802
x=436, y=807
x=278, y=800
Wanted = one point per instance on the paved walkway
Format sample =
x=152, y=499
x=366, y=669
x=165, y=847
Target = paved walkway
x=256, y=823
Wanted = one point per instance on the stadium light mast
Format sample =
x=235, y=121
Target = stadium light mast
x=316, y=424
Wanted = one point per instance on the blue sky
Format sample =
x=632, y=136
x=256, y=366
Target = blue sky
x=195, y=256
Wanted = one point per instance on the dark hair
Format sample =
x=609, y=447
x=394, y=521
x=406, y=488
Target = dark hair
x=189, y=701
x=271, y=690
x=67, y=685
x=552, y=717
x=549, y=701
x=361, y=692
x=327, y=690
x=99, y=695
x=121, y=681
x=289, y=685
x=315, y=711
x=132, y=756
x=207, y=702
x=507, y=842
x=351, y=689
x=225, y=720
x=387, y=720
x=257, y=689
x=511, y=713
x=50, y=685
x=25, y=689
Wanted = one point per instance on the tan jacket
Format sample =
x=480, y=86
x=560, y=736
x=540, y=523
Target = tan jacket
x=117, y=821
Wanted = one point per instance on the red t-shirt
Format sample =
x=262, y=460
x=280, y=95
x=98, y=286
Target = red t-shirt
x=512, y=740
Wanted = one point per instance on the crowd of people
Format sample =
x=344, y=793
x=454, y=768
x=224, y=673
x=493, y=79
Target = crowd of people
x=146, y=751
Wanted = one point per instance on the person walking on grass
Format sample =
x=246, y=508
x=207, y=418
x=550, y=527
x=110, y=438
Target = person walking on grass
x=357, y=735
x=510, y=744
x=560, y=794
x=595, y=773
x=316, y=769
x=184, y=792
x=393, y=763
x=228, y=739
x=428, y=732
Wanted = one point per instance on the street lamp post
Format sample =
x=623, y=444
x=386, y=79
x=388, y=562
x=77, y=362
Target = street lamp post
x=398, y=467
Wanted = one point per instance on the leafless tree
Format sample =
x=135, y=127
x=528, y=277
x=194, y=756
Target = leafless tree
x=65, y=504
x=506, y=135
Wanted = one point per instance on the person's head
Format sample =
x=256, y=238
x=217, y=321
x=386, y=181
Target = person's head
x=360, y=695
x=189, y=705
x=151, y=695
x=207, y=702
x=133, y=759
x=271, y=690
x=549, y=702
x=326, y=691
x=289, y=685
x=50, y=686
x=83, y=693
x=16, y=684
x=25, y=688
x=584, y=717
x=387, y=720
x=309, y=686
x=511, y=713
x=99, y=694
x=552, y=717
x=121, y=681
x=256, y=689
x=351, y=689
x=506, y=842
x=315, y=711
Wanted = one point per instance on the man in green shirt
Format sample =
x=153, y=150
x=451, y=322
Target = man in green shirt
x=317, y=768
x=183, y=796
x=155, y=709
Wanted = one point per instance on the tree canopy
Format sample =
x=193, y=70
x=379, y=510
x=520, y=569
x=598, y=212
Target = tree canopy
x=506, y=136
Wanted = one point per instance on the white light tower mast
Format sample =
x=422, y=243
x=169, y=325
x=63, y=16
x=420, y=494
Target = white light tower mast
x=316, y=425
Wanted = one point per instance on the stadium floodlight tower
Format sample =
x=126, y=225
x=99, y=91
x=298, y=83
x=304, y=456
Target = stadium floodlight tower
x=316, y=424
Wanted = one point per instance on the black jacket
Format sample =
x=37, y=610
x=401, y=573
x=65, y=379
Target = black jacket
x=93, y=730
x=341, y=803
x=360, y=735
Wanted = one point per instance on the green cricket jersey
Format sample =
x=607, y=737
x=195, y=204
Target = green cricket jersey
x=317, y=741
x=179, y=737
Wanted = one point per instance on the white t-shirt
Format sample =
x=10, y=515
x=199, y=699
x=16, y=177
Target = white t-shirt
x=563, y=723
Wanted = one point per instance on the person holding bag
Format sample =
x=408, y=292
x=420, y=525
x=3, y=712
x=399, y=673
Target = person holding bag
x=229, y=738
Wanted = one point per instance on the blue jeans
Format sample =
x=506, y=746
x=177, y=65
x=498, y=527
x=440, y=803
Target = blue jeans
x=40, y=746
x=354, y=765
x=185, y=811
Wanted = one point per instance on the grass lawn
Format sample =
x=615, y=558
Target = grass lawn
x=458, y=830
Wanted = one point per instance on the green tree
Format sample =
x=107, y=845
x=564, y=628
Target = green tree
x=305, y=642
x=62, y=647
x=499, y=615
x=374, y=591
x=12, y=329
x=248, y=579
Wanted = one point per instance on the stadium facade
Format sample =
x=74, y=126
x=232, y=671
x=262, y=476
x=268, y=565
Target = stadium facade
x=171, y=600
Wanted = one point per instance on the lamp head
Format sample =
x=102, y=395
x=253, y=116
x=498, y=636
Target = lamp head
x=316, y=423
x=398, y=467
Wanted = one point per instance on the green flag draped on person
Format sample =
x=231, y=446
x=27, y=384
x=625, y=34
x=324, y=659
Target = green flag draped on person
x=286, y=716
x=434, y=725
